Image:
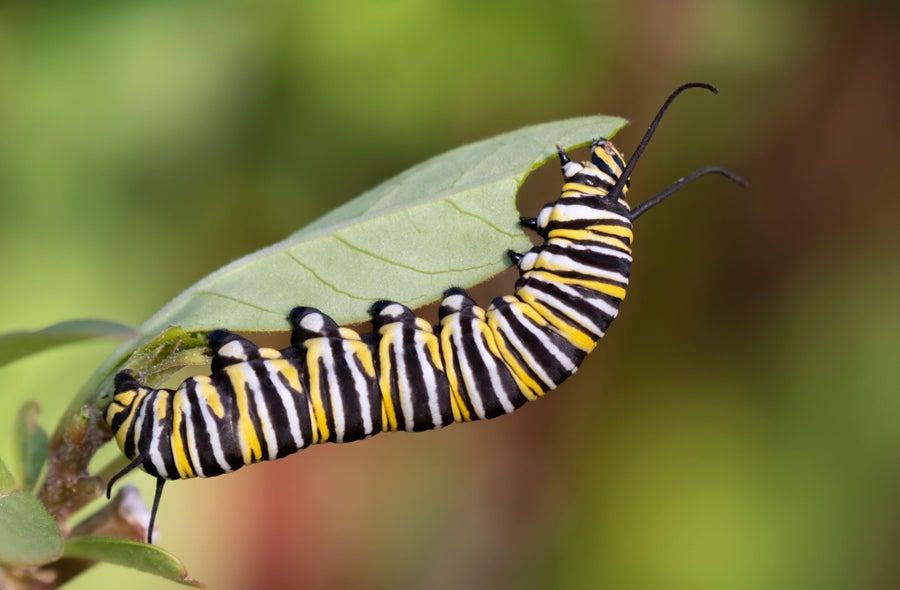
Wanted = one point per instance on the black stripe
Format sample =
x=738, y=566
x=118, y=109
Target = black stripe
x=228, y=434
x=278, y=413
x=597, y=260
x=415, y=375
x=347, y=393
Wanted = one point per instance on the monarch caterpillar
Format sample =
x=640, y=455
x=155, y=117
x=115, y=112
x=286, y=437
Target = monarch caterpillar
x=334, y=385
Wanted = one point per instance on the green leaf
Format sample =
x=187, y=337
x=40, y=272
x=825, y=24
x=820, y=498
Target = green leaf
x=7, y=481
x=446, y=222
x=22, y=343
x=28, y=534
x=140, y=556
x=31, y=443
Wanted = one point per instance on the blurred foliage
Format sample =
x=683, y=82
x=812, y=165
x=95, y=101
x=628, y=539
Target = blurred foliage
x=737, y=428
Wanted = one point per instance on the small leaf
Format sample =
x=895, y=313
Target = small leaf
x=22, y=343
x=446, y=222
x=32, y=443
x=28, y=534
x=140, y=556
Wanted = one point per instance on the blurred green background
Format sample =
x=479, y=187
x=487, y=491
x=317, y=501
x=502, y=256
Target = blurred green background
x=738, y=427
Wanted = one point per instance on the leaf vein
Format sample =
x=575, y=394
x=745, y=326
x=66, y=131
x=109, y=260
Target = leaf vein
x=405, y=266
x=487, y=222
x=239, y=301
x=319, y=278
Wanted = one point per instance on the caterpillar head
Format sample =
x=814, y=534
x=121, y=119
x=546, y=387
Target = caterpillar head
x=597, y=176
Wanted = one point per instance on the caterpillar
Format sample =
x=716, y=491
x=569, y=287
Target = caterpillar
x=333, y=384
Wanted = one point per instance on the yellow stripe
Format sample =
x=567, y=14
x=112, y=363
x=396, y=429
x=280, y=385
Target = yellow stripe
x=434, y=350
x=251, y=449
x=388, y=412
x=160, y=413
x=616, y=230
x=573, y=189
x=364, y=354
x=489, y=339
x=460, y=412
x=313, y=354
x=348, y=334
x=179, y=450
x=291, y=375
x=210, y=396
x=591, y=235
x=269, y=353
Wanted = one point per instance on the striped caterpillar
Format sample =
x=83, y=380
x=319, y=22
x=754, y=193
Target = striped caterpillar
x=334, y=385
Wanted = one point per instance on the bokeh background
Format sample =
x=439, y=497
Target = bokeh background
x=738, y=427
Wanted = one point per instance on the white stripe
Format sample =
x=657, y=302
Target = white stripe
x=454, y=302
x=430, y=381
x=579, y=212
x=312, y=322
x=571, y=168
x=234, y=350
x=337, y=404
x=563, y=262
x=361, y=387
x=404, y=388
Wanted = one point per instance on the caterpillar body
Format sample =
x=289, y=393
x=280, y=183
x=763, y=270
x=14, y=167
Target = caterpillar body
x=333, y=384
